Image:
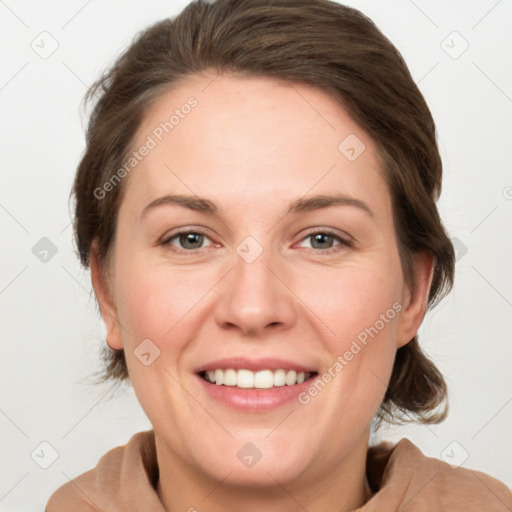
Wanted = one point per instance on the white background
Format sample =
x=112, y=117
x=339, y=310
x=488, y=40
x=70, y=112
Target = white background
x=51, y=332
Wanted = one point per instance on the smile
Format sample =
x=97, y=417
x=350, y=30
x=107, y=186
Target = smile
x=263, y=379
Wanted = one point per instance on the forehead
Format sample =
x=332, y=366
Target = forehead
x=253, y=141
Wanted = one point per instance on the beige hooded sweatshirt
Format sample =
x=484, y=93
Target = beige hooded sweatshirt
x=401, y=477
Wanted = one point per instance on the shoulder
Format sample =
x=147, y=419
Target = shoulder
x=417, y=482
x=99, y=488
x=75, y=495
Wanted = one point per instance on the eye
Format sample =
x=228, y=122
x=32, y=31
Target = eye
x=322, y=241
x=188, y=241
x=192, y=241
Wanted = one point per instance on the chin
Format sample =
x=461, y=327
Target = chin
x=253, y=460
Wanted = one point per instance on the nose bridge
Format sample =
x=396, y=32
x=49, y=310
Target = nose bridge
x=253, y=297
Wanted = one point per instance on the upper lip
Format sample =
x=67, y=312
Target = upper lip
x=266, y=363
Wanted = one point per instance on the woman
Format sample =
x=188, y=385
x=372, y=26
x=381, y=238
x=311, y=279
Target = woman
x=257, y=132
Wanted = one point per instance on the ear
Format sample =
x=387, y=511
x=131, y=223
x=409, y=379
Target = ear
x=106, y=304
x=414, y=300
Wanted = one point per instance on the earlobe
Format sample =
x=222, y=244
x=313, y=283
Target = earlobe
x=415, y=300
x=105, y=302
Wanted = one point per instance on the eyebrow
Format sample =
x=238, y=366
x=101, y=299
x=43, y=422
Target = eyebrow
x=301, y=205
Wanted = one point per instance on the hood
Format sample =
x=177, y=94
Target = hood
x=402, y=479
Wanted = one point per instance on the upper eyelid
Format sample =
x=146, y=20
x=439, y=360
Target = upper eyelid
x=328, y=233
x=168, y=237
x=345, y=238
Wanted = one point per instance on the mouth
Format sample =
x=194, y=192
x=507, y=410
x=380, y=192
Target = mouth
x=264, y=379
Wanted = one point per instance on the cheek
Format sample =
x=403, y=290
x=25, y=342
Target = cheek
x=153, y=301
x=354, y=299
x=360, y=309
x=156, y=303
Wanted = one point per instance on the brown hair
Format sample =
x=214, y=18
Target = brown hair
x=317, y=42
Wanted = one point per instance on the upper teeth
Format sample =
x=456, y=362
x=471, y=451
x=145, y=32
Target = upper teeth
x=262, y=379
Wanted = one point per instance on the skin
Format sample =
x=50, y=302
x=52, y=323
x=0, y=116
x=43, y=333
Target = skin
x=253, y=145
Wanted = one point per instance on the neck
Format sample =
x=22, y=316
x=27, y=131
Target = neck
x=340, y=487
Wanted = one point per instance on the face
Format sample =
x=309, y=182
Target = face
x=317, y=287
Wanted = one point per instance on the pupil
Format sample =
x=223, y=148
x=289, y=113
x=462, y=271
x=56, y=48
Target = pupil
x=320, y=237
x=196, y=239
x=189, y=238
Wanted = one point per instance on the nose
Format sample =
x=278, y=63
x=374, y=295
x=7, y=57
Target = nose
x=254, y=297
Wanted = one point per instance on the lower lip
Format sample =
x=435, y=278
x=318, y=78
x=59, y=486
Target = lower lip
x=255, y=399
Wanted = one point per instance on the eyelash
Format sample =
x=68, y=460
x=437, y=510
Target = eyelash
x=166, y=242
